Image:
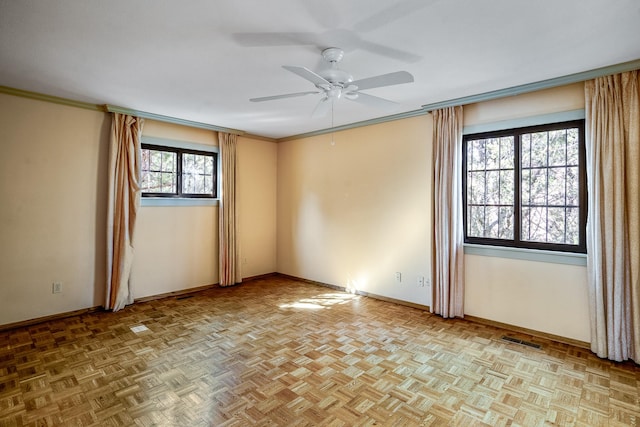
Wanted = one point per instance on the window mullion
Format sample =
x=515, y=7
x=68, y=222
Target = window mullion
x=517, y=204
x=179, y=173
x=546, y=193
x=484, y=197
x=566, y=170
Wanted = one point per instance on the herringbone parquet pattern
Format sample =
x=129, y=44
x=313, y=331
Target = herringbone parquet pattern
x=276, y=352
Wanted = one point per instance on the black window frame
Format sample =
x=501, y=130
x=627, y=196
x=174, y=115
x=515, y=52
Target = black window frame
x=178, y=194
x=516, y=242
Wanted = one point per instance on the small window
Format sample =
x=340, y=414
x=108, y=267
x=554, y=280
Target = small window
x=178, y=172
x=526, y=187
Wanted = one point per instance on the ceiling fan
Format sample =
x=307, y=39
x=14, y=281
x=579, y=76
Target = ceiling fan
x=333, y=84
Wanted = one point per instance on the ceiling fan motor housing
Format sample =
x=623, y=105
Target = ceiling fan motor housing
x=333, y=75
x=336, y=77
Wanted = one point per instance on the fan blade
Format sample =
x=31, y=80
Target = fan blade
x=322, y=108
x=287, y=95
x=390, y=79
x=274, y=39
x=307, y=74
x=391, y=13
x=389, y=52
x=323, y=13
x=375, y=101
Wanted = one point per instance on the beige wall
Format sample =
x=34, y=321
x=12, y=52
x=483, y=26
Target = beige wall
x=53, y=188
x=53, y=170
x=176, y=247
x=257, y=164
x=357, y=212
x=546, y=297
x=354, y=213
x=185, y=255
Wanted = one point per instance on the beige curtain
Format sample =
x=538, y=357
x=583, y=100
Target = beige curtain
x=123, y=204
x=230, y=271
x=613, y=224
x=447, y=257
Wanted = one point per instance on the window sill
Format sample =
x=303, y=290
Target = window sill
x=568, y=258
x=171, y=201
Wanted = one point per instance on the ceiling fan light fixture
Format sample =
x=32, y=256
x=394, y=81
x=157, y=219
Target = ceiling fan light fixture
x=335, y=92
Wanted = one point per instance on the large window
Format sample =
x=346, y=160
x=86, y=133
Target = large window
x=178, y=172
x=526, y=187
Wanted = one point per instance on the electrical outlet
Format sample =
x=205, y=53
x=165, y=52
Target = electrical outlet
x=56, y=287
x=421, y=281
x=398, y=277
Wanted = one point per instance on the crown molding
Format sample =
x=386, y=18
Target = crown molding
x=49, y=98
x=169, y=119
x=378, y=120
x=532, y=87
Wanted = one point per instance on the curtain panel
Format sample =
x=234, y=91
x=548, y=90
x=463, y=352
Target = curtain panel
x=613, y=223
x=447, y=252
x=230, y=265
x=123, y=204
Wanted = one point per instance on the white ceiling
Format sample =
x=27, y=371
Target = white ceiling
x=202, y=60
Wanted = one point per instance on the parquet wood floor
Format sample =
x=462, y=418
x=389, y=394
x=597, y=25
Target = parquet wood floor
x=277, y=352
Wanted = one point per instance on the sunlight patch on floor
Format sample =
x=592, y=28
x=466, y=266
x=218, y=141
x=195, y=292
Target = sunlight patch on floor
x=321, y=301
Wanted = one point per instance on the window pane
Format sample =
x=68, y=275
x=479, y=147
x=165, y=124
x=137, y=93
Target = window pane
x=492, y=222
x=187, y=163
x=525, y=149
x=506, y=187
x=493, y=187
x=168, y=162
x=492, y=147
x=557, y=147
x=145, y=181
x=573, y=226
x=168, y=184
x=556, y=187
x=208, y=184
x=539, y=149
x=506, y=223
x=156, y=160
x=536, y=224
x=475, y=155
x=197, y=176
x=573, y=186
x=506, y=152
x=476, y=221
x=572, y=146
x=525, y=216
x=145, y=160
x=158, y=171
x=537, y=186
x=208, y=165
x=556, y=222
x=199, y=184
x=155, y=182
x=475, y=188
